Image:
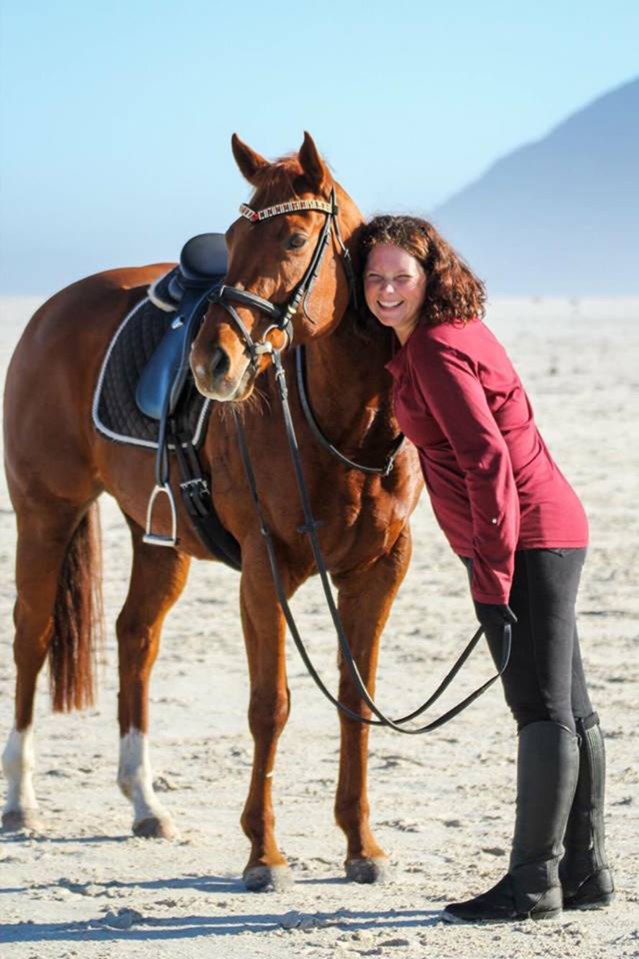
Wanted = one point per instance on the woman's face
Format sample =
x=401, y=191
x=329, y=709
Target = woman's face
x=394, y=287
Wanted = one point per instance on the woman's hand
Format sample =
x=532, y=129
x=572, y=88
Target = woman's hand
x=494, y=615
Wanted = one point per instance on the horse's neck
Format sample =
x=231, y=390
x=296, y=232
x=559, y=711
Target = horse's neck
x=349, y=389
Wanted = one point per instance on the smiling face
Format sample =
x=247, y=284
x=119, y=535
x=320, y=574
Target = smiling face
x=395, y=288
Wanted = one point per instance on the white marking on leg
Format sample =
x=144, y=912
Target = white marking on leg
x=18, y=763
x=135, y=777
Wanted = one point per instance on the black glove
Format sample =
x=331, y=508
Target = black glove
x=494, y=615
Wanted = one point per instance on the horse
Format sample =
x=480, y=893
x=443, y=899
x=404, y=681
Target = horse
x=58, y=465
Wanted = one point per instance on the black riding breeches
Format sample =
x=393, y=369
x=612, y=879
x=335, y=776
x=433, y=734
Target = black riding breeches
x=545, y=678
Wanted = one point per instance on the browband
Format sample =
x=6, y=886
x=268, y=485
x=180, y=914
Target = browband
x=322, y=206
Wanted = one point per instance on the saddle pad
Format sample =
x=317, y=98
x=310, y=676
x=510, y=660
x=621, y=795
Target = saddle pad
x=115, y=412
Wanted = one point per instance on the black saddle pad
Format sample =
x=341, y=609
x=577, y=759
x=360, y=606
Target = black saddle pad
x=115, y=412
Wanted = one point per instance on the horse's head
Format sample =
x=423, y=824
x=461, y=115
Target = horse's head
x=289, y=270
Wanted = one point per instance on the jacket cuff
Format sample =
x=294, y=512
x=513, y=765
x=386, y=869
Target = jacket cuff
x=497, y=599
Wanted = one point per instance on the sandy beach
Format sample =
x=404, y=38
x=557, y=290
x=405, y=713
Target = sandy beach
x=442, y=805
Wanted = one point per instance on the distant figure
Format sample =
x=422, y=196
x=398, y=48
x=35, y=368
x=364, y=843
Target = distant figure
x=519, y=528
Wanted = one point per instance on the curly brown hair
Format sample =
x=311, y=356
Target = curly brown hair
x=453, y=293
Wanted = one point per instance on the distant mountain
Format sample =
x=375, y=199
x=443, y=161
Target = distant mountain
x=560, y=216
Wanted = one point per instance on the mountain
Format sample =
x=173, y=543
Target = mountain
x=559, y=216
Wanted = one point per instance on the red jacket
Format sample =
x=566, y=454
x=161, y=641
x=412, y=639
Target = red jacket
x=493, y=484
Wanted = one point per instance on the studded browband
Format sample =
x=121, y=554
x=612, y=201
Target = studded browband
x=291, y=206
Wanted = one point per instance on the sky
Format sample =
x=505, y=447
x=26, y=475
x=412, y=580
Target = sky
x=116, y=117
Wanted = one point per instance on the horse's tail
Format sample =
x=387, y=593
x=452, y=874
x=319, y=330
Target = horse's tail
x=78, y=626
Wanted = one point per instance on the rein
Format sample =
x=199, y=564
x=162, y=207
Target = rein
x=385, y=470
x=310, y=529
x=282, y=316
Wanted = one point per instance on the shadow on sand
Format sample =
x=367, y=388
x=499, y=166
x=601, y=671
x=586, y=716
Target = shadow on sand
x=137, y=927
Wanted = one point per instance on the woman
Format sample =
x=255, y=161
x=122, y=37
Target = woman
x=521, y=531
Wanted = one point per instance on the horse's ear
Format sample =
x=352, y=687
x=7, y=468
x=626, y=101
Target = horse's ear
x=250, y=163
x=312, y=163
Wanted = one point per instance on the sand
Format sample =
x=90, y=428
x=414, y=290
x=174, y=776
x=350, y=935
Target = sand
x=442, y=806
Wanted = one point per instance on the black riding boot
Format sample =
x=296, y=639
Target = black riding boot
x=585, y=875
x=547, y=770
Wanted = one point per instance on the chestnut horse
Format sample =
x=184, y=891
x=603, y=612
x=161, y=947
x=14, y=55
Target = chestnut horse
x=58, y=464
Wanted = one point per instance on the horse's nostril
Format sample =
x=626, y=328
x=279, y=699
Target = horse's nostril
x=219, y=362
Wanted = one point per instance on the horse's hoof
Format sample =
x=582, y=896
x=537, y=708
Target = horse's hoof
x=154, y=828
x=268, y=878
x=367, y=870
x=15, y=820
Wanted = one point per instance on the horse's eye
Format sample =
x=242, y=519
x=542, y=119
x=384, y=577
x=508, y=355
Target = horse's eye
x=296, y=241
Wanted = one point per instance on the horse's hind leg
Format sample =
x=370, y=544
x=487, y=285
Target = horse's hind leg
x=365, y=599
x=158, y=577
x=57, y=553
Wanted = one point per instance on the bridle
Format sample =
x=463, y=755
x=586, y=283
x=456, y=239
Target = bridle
x=282, y=313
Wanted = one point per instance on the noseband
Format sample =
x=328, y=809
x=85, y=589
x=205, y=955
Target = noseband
x=282, y=313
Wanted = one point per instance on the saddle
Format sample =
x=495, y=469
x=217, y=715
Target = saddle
x=186, y=290
x=161, y=389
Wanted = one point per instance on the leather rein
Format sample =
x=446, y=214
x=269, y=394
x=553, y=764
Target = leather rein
x=282, y=316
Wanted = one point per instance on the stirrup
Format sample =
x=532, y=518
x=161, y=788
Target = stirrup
x=157, y=539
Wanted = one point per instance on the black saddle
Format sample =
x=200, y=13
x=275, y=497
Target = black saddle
x=186, y=289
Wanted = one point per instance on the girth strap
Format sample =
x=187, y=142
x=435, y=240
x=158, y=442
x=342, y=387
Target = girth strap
x=196, y=495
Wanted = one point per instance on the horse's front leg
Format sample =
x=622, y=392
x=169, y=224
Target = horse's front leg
x=365, y=599
x=264, y=635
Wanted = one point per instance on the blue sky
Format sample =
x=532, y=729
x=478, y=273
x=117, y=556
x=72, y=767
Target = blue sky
x=116, y=116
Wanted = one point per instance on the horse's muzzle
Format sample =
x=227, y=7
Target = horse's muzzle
x=215, y=378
